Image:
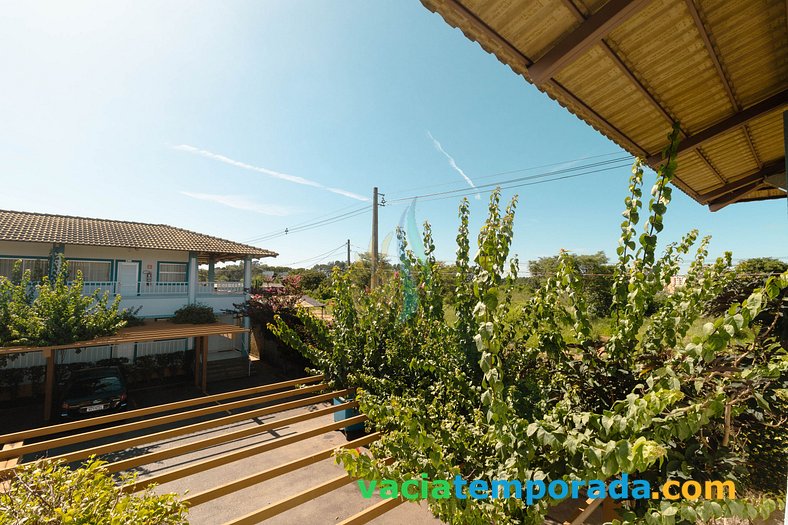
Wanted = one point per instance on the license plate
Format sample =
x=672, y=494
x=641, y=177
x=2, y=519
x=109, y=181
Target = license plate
x=95, y=408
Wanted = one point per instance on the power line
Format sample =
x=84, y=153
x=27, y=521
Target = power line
x=609, y=164
x=518, y=182
x=318, y=257
x=310, y=226
x=520, y=170
x=252, y=239
x=480, y=190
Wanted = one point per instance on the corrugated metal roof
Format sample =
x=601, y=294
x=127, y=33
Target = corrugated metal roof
x=630, y=68
x=64, y=229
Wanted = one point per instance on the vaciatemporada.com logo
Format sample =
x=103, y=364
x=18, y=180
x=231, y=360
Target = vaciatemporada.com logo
x=531, y=491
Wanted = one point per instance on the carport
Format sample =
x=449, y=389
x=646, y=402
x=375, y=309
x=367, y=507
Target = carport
x=157, y=331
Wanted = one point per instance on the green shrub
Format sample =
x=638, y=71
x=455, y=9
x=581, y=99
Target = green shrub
x=194, y=314
x=47, y=492
x=59, y=314
x=131, y=318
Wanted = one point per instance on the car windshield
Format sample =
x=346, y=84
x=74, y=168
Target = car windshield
x=88, y=386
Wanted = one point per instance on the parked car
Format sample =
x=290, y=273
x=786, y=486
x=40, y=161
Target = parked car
x=94, y=392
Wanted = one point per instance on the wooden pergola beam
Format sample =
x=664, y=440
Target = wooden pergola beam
x=588, y=34
x=735, y=196
x=68, y=440
x=733, y=122
x=375, y=511
x=26, y=435
x=138, y=334
x=758, y=176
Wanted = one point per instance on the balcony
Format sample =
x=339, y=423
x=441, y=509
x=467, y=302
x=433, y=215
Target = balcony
x=162, y=299
x=128, y=290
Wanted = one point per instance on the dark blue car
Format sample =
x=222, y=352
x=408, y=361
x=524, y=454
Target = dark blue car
x=94, y=392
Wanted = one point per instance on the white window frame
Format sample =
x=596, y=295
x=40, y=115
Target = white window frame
x=88, y=276
x=165, y=276
x=28, y=263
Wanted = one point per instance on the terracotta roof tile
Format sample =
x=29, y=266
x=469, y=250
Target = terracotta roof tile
x=46, y=228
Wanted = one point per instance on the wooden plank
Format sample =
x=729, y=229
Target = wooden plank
x=585, y=513
x=188, y=429
x=141, y=412
x=170, y=452
x=13, y=460
x=9, y=463
x=588, y=34
x=281, y=506
x=159, y=331
x=224, y=459
x=375, y=511
x=735, y=196
x=730, y=123
x=760, y=175
x=55, y=443
x=253, y=479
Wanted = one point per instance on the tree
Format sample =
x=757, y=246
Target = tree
x=748, y=275
x=47, y=492
x=311, y=280
x=361, y=270
x=596, y=273
x=59, y=313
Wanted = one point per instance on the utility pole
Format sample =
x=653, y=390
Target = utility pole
x=348, y=254
x=374, y=280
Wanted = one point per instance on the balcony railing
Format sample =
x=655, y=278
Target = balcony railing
x=220, y=288
x=158, y=289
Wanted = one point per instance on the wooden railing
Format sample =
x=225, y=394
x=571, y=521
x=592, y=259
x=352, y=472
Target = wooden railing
x=286, y=395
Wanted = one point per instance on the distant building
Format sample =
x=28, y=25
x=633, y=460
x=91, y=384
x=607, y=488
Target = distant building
x=676, y=281
x=152, y=267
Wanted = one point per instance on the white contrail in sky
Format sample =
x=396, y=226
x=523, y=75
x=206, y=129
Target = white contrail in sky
x=265, y=171
x=452, y=163
x=239, y=202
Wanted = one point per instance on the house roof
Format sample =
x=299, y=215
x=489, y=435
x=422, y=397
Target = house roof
x=630, y=68
x=310, y=302
x=65, y=229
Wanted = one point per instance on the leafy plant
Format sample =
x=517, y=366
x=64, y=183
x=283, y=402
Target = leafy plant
x=131, y=317
x=529, y=394
x=51, y=492
x=194, y=314
x=54, y=312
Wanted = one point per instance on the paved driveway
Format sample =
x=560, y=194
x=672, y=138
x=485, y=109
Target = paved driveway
x=329, y=508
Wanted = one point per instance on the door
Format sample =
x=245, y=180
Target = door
x=128, y=273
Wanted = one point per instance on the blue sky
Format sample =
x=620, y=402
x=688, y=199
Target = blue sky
x=239, y=119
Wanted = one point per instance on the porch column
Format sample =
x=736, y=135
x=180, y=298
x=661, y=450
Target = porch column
x=203, y=345
x=247, y=290
x=49, y=384
x=191, y=276
x=211, y=271
x=54, y=260
x=784, y=335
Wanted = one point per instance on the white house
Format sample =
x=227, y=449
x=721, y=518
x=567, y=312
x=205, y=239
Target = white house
x=151, y=266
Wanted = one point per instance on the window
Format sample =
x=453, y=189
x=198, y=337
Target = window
x=38, y=267
x=92, y=271
x=172, y=272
